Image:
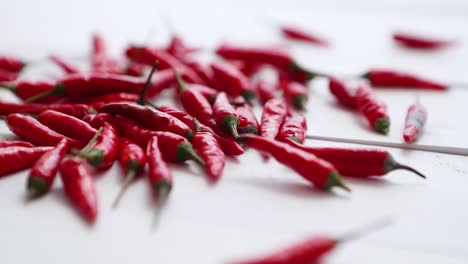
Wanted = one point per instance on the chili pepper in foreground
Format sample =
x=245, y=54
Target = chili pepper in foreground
x=159, y=176
x=295, y=94
x=78, y=184
x=132, y=160
x=7, y=76
x=33, y=131
x=372, y=109
x=225, y=115
x=416, y=118
x=420, y=42
x=44, y=170
x=357, y=162
x=293, y=128
x=11, y=64
x=299, y=34
x=67, y=125
x=273, y=116
x=343, y=93
x=77, y=110
x=315, y=170
x=150, y=118
x=104, y=152
x=247, y=121
x=232, y=81
x=384, y=78
x=64, y=65
x=266, y=91
x=15, y=143
x=212, y=154
x=13, y=159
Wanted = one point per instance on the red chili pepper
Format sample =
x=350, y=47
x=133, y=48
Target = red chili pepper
x=132, y=160
x=13, y=159
x=104, y=152
x=98, y=101
x=266, y=91
x=195, y=103
x=225, y=115
x=67, y=125
x=209, y=93
x=78, y=184
x=354, y=162
x=295, y=94
x=343, y=93
x=28, y=89
x=176, y=148
x=15, y=143
x=229, y=146
x=67, y=67
x=43, y=172
x=11, y=64
x=212, y=154
x=135, y=69
x=273, y=116
x=421, y=42
x=159, y=176
x=77, y=110
x=416, y=118
x=203, y=71
x=295, y=33
x=293, y=128
x=7, y=76
x=317, y=171
x=150, y=118
x=248, y=68
x=232, y=81
x=179, y=49
x=99, y=51
x=247, y=121
x=372, y=109
x=33, y=131
x=383, y=78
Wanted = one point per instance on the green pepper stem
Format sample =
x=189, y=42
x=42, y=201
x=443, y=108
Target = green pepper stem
x=128, y=180
x=92, y=142
x=180, y=82
x=141, y=98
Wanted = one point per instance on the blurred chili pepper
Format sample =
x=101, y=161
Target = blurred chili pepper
x=372, y=109
x=15, y=158
x=266, y=91
x=232, y=81
x=67, y=125
x=384, y=78
x=295, y=94
x=15, y=143
x=274, y=113
x=159, y=176
x=225, y=115
x=247, y=121
x=212, y=154
x=293, y=128
x=416, y=118
x=7, y=76
x=343, y=93
x=11, y=64
x=420, y=42
x=296, y=33
x=76, y=110
x=67, y=67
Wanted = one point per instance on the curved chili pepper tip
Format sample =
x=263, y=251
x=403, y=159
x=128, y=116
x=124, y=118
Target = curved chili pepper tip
x=36, y=187
x=391, y=164
x=334, y=179
x=185, y=151
x=300, y=102
x=382, y=125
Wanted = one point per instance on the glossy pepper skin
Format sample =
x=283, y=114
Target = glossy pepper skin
x=416, y=118
x=159, y=175
x=177, y=149
x=231, y=80
x=413, y=41
x=293, y=128
x=15, y=143
x=150, y=118
x=247, y=121
x=11, y=64
x=295, y=33
x=295, y=94
x=104, y=152
x=6, y=76
x=42, y=174
x=15, y=158
x=343, y=93
x=372, y=109
x=132, y=157
x=67, y=125
x=357, y=162
x=27, y=89
x=274, y=113
x=33, y=131
x=383, y=78
x=211, y=153
x=228, y=145
x=315, y=170
x=266, y=90
x=225, y=115
x=98, y=101
x=76, y=110
x=78, y=184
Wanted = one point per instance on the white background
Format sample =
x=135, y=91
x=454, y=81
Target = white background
x=257, y=206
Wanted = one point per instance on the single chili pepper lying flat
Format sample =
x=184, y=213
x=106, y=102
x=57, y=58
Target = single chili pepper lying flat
x=11, y=64
x=28, y=89
x=231, y=80
x=295, y=94
x=225, y=115
x=343, y=93
x=150, y=118
x=33, y=131
x=357, y=162
x=266, y=90
x=247, y=121
x=78, y=184
x=386, y=78
x=15, y=143
x=294, y=128
x=207, y=145
x=315, y=170
x=372, y=109
x=132, y=159
x=67, y=125
x=413, y=41
x=159, y=175
x=295, y=33
x=43, y=172
x=13, y=159
x=66, y=66
x=274, y=113
x=76, y=110
x=416, y=118
x=7, y=76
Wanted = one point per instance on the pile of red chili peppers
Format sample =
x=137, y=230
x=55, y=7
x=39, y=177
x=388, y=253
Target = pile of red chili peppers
x=81, y=123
